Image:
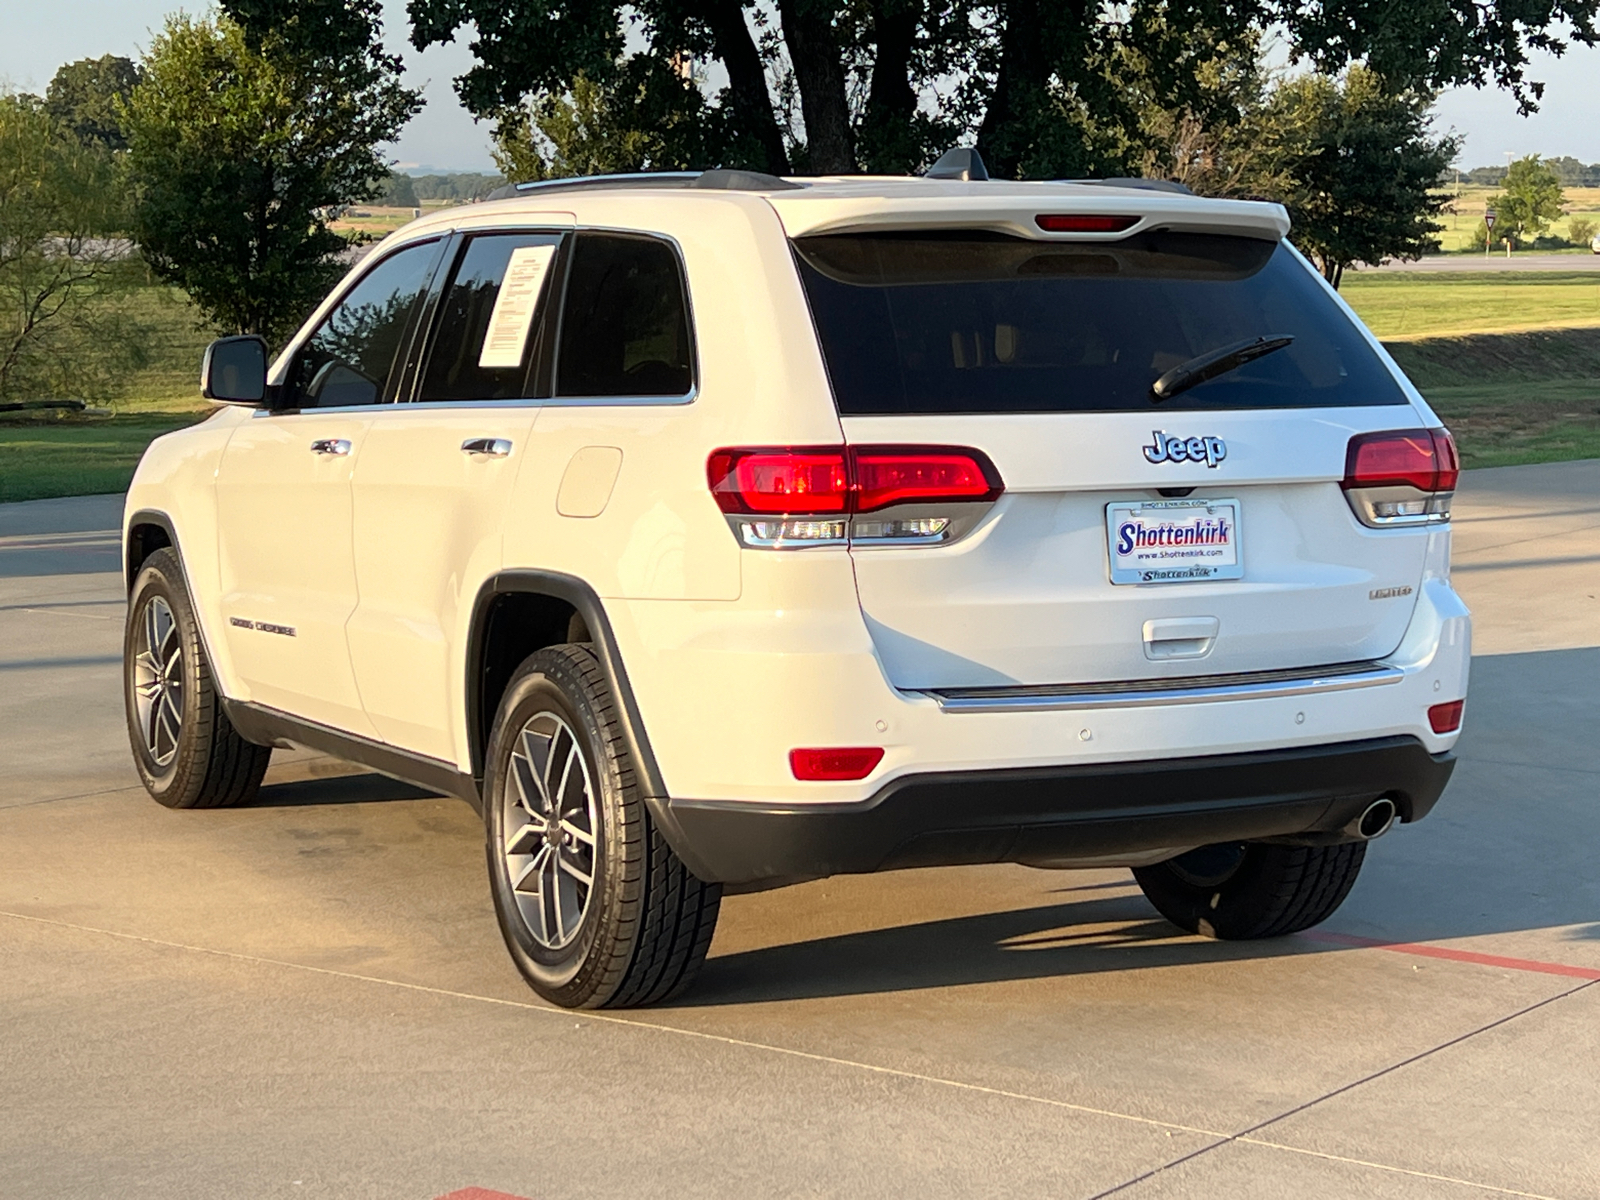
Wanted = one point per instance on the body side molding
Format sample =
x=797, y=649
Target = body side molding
x=268, y=726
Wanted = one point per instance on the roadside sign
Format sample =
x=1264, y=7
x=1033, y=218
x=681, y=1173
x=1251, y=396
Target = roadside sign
x=1488, y=218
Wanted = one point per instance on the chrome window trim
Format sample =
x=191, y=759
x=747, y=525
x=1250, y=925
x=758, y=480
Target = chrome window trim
x=524, y=402
x=1151, y=693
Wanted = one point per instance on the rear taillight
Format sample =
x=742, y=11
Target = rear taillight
x=1084, y=222
x=1403, y=477
x=791, y=496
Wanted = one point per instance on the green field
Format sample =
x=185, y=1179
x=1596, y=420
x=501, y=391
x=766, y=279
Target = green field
x=80, y=457
x=1397, y=304
x=1465, y=209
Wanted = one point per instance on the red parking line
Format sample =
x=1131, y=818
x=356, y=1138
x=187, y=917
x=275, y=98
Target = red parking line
x=1466, y=956
x=478, y=1193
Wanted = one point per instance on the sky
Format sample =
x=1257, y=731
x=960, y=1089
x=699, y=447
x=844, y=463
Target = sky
x=36, y=38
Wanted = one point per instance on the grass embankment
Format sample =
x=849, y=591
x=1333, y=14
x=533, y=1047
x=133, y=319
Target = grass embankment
x=1511, y=362
x=150, y=389
x=1512, y=398
x=1399, y=304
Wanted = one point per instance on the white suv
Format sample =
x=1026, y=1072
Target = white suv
x=716, y=532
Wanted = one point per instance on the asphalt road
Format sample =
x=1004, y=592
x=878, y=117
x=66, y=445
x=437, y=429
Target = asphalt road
x=308, y=997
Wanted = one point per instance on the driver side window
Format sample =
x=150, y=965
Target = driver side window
x=355, y=351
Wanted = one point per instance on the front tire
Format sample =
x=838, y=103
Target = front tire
x=1245, y=890
x=187, y=752
x=595, y=908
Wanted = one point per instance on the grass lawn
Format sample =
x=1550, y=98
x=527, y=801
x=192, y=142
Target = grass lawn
x=1512, y=398
x=1398, y=305
x=77, y=456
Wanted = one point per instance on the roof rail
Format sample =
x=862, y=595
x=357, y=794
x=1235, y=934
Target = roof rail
x=1143, y=185
x=720, y=179
x=961, y=163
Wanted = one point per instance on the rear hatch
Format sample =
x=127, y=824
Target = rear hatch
x=1137, y=538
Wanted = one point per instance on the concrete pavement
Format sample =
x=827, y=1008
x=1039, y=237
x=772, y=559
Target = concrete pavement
x=308, y=997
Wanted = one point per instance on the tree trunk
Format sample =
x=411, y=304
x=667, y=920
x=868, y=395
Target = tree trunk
x=819, y=74
x=747, y=82
x=1004, y=136
x=888, y=142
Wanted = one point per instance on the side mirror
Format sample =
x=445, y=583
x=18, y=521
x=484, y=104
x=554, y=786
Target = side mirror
x=235, y=370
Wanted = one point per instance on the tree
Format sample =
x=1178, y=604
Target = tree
x=60, y=205
x=1531, y=200
x=1355, y=164
x=1042, y=85
x=238, y=156
x=86, y=96
x=399, y=192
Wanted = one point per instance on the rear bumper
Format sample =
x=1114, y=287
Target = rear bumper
x=1050, y=816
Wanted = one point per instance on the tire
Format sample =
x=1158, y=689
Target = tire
x=1246, y=890
x=643, y=922
x=186, y=750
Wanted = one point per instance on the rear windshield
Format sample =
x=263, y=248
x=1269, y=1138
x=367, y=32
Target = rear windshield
x=969, y=322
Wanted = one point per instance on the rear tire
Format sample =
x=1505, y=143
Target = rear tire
x=187, y=752
x=1246, y=890
x=595, y=908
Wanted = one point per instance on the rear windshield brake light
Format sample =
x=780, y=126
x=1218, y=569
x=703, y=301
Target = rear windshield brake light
x=1084, y=222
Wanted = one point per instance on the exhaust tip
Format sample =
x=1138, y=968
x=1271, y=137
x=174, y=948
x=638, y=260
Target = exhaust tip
x=1375, y=820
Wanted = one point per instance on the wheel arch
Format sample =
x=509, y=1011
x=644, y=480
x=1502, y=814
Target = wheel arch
x=520, y=611
x=147, y=531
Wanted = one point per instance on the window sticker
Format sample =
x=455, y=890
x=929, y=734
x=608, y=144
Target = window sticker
x=512, y=318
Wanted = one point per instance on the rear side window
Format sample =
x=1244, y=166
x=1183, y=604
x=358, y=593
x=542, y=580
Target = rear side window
x=625, y=321
x=354, y=353
x=487, y=329
x=985, y=323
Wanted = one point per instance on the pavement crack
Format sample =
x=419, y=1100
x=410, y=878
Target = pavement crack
x=1244, y=1136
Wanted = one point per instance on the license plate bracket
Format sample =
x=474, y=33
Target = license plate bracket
x=1173, y=541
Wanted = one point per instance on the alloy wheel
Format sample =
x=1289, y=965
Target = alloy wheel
x=551, y=824
x=158, y=681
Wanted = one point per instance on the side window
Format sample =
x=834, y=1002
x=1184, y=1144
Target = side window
x=487, y=329
x=625, y=322
x=351, y=357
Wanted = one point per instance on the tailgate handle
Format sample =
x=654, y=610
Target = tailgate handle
x=1180, y=637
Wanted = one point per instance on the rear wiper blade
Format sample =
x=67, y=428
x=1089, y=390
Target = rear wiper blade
x=1216, y=362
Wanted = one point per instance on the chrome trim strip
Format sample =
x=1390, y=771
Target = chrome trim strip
x=1044, y=699
x=459, y=405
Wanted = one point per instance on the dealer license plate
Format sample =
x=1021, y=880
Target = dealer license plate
x=1174, y=541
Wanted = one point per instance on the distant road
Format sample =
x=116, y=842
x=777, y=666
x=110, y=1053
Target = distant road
x=1497, y=262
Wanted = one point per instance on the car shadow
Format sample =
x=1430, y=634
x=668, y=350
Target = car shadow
x=1050, y=940
x=356, y=788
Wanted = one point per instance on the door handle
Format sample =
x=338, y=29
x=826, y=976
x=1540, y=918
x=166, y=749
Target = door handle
x=490, y=447
x=335, y=446
x=1180, y=637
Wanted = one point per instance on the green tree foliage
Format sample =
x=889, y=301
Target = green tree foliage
x=86, y=96
x=1580, y=231
x=456, y=188
x=399, y=192
x=239, y=155
x=60, y=213
x=1048, y=88
x=643, y=119
x=1353, y=161
x=1530, y=202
